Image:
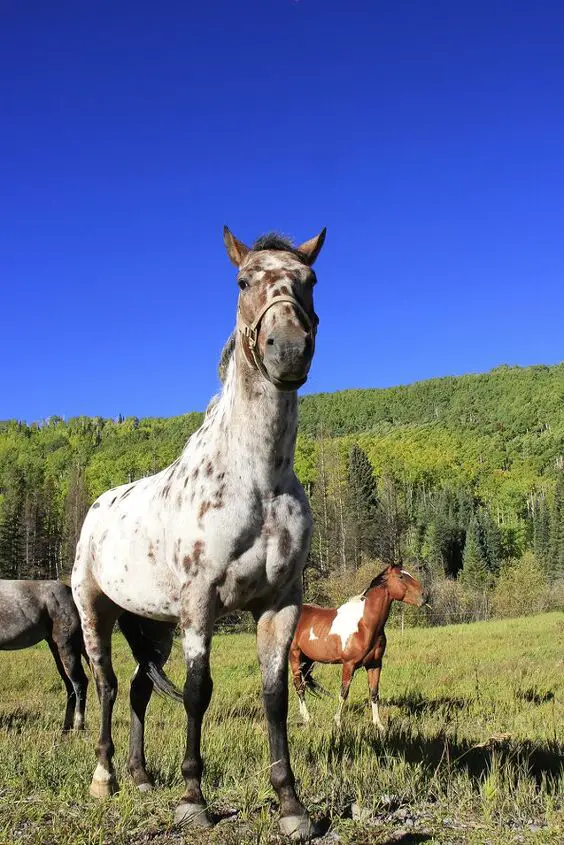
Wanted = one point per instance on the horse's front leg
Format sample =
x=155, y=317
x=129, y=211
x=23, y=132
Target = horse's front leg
x=346, y=678
x=196, y=624
x=373, y=670
x=275, y=629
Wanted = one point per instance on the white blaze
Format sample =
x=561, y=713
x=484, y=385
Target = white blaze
x=345, y=623
x=312, y=634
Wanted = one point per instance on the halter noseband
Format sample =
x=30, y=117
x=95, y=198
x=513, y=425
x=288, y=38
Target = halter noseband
x=251, y=332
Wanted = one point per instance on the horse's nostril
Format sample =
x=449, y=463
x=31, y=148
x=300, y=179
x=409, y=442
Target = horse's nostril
x=270, y=341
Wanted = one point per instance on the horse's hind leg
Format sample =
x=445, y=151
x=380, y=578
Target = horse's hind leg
x=69, y=651
x=98, y=614
x=149, y=641
x=299, y=663
x=71, y=695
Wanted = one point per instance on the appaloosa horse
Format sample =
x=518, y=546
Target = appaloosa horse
x=352, y=634
x=226, y=526
x=31, y=611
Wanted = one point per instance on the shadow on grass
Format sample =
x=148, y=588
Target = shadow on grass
x=415, y=704
x=540, y=761
x=407, y=839
x=17, y=721
x=533, y=696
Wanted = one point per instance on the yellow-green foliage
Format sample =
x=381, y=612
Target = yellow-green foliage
x=522, y=588
x=475, y=719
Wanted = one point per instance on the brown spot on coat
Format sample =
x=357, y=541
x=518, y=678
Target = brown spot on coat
x=204, y=508
x=197, y=551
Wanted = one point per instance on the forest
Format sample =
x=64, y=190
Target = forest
x=459, y=478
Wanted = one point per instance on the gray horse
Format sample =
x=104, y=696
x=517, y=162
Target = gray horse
x=31, y=611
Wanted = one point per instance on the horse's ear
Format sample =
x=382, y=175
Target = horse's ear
x=311, y=249
x=236, y=250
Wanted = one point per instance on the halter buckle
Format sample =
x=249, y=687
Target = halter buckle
x=251, y=335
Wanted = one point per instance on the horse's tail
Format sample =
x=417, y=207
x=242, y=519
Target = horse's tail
x=162, y=682
x=148, y=655
x=312, y=686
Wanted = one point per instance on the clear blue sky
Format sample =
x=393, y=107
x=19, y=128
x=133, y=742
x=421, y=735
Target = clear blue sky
x=427, y=136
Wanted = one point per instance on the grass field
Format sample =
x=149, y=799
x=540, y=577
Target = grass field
x=473, y=749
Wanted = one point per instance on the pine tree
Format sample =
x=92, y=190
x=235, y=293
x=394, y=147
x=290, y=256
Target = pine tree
x=12, y=525
x=392, y=522
x=556, y=552
x=76, y=507
x=491, y=541
x=474, y=571
x=431, y=552
x=541, y=532
x=362, y=502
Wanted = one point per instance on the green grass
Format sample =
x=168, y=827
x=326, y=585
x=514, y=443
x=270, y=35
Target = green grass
x=473, y=749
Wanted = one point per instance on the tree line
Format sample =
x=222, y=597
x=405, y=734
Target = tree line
x=453, y=476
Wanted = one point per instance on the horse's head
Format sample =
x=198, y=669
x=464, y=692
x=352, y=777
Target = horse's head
x=404, y=587
x=275, y=315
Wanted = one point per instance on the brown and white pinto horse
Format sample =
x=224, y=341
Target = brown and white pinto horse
x=352, y=634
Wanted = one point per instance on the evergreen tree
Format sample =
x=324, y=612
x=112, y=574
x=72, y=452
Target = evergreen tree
x=541, y=532
x=392, y=523
x=12, y=525
x=474, y=571
x=362, y=502
x=491, y=541
x=556, y=553
x=432, y=553
x=76, y=507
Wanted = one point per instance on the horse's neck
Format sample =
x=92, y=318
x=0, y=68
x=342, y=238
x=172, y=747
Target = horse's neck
x=378, y=604
x=254, y=425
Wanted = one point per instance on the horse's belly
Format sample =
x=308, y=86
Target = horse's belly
x=142, y=591
x=22, y=639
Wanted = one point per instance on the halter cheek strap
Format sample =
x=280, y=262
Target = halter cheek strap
x=251, y=332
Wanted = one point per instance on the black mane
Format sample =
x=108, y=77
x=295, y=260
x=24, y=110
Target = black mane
x=272, y=240
x=378, y=581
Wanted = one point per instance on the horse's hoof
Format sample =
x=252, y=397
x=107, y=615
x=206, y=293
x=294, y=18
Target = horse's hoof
x=298, y=828
x=192, y=815
x=104, y=788
x=145, y=786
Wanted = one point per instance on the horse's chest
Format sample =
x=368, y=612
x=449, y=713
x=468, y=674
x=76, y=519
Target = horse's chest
x=264, y=555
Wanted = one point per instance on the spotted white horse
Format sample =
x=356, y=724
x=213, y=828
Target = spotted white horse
x=227, y=526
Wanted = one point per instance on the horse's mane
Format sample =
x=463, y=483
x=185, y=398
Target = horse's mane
x=273, y=240
x=378, y=581
x=225, y=357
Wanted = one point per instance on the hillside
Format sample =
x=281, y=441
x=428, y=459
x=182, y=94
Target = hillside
x=499, y=436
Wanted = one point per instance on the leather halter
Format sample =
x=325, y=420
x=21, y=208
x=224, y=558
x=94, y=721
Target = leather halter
x=251, y=332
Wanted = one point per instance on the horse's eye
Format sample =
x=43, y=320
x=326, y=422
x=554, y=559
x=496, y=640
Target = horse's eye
x=243, y=284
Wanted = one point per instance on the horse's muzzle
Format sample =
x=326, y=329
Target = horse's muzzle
x=287, y=357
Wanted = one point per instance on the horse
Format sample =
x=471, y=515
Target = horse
x=225, y=527
x=31, y=611
x=352, y=634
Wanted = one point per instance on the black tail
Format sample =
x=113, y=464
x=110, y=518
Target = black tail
x=312, y=686
x=146, y=651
